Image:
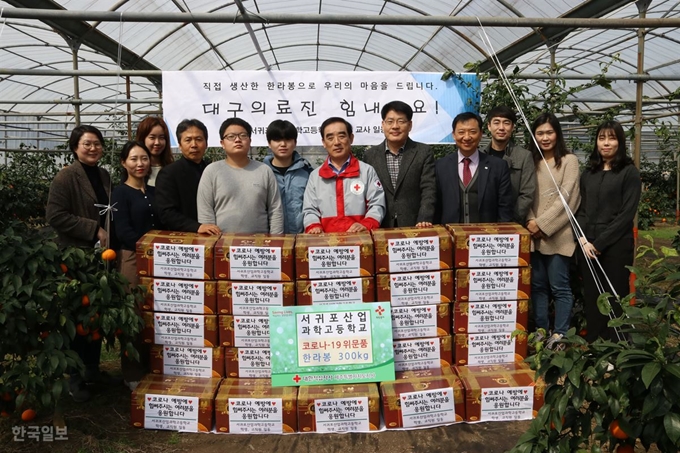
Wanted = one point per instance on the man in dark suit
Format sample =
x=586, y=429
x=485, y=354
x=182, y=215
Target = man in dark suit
x=472, y=187
x=177, y=183
x=405, y=168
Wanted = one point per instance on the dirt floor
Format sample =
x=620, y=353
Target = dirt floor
x=103, y=426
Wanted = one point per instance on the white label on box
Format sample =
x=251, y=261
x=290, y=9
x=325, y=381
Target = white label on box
x=171, y=412
x=489, y=348
x=179, y=330
x=414, y=322
x=255, y=415
x=181, y=361
x=334, y=262
x=484, y=317
x=179, y=261
x=507, y=404
x=413, y=254
x=251, y=331
x=254, y=299
x=341, y=291
x=493, y=284
x=341, y=415
x=411, y=355
x=254, y=363
x=255, y=263
x=178, y=296
x=493, y=250
x=427, y=408
x=415, y=289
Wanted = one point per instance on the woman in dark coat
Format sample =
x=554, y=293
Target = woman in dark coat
x=610, y=193
x=72, y=211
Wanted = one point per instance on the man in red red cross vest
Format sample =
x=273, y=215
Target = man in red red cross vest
x=343, y=194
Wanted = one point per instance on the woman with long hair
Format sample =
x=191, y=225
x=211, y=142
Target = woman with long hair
x=134, y=216
x=154, y=133
x=557, y=172
x=610, y=191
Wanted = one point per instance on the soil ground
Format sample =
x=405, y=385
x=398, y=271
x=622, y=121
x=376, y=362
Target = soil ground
x=103, y=426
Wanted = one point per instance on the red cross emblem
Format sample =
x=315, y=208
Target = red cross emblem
x=357, y=187
x=297, y=378
x=379, y=310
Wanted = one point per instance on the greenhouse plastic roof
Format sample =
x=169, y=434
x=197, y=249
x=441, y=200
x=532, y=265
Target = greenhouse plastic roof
x=44, y=44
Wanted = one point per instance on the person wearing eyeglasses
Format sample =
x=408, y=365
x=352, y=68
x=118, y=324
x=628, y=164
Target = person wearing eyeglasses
x=238, y=194
x=405, y=169
x=177, y=183
x=72, y=211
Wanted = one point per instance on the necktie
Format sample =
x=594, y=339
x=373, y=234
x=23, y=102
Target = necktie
x=467, y=174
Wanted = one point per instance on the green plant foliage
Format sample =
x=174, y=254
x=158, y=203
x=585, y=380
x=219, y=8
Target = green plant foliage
x=635, y=383
x=25, y=183
x=41, y=305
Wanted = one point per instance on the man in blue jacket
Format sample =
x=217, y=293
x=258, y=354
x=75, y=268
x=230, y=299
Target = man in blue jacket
x=291, y=171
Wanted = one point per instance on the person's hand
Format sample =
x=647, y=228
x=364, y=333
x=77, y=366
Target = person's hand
x=533, y=228
x=590, y=250
x=423, y=224
x=315, y=230
x=209, y=228
x=356, y=227
x=101, y=235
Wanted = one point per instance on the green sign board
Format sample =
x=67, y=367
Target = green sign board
x=331, y=344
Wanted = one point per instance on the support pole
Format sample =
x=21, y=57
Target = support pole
x=128, y=109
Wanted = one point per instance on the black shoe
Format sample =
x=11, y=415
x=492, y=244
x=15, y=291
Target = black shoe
x=78, y=390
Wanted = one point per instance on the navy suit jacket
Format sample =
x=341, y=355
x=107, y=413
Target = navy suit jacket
x=493, y=182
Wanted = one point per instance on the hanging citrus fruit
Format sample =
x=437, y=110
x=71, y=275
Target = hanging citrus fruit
x=85, y=301
x=616, y=430
x=108, y=255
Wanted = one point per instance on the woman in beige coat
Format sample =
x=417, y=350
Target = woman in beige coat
x=549, y=225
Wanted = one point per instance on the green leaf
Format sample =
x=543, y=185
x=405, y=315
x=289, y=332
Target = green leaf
x=57, y=388
x=667, y=251
x=671, y=422
x=603, y=304
x=649, y=372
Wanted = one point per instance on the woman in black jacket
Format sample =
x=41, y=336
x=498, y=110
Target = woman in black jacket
x=610, y=193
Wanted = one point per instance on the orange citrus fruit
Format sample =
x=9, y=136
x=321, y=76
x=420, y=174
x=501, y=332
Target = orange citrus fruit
x=4, y=414
x=28, y=415
x=625, y=448
x=108, y=255
x=44, y=334
x=82, y=330
x=616, y=430
x=63, y=267
x=85, y=300
x=96, y=335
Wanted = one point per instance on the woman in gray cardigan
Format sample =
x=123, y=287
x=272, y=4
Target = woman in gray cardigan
x=557, y=171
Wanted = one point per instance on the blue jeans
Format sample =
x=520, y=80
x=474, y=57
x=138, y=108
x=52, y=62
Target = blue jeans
x=550, y=275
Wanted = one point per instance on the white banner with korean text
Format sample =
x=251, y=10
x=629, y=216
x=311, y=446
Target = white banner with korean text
x=307, y=98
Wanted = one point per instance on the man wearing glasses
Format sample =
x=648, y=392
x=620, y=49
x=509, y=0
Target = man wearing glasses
x=406, y=170
x=177, y=183
x=238, y=194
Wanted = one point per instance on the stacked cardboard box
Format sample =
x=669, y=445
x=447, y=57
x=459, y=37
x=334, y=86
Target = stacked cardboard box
x=179, y=307
x=492, y=291
x=414, y=275
x=254, y=272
